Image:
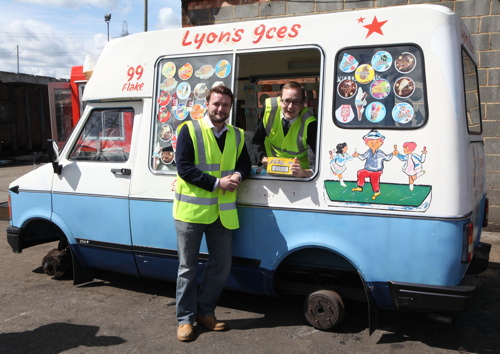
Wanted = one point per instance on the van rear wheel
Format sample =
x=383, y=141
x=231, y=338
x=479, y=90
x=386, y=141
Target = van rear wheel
x=324, y=309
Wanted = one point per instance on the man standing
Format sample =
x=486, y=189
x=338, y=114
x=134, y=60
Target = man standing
x=212, y=160
x=286, y=129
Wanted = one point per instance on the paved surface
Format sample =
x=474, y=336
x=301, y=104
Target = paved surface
x=122, y=314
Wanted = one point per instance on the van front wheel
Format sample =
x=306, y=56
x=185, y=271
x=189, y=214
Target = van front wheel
x=324, y=309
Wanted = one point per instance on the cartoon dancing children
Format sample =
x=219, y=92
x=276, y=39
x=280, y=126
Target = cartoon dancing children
x=374, y=164
x=338, y=162
x=412, y=163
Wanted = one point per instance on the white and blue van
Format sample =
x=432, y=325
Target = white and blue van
x=393, y=213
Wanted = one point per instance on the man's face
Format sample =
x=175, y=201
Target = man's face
x=291, y=103
x=219, y=108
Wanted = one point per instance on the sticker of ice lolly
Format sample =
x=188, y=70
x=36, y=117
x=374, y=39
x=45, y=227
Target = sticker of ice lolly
x=360, y=102
x=375, y=112
x=344, y=113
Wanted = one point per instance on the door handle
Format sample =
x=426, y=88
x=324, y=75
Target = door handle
x=121, y=171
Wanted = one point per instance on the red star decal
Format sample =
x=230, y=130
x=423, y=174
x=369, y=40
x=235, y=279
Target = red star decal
x=375, y=26
x=361, y=20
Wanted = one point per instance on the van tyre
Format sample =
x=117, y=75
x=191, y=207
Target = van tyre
x=324, y=309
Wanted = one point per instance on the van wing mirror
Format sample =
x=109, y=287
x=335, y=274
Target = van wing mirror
x=53, y=155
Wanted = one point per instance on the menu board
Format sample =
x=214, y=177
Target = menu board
x=182, y=88
x=380, y=87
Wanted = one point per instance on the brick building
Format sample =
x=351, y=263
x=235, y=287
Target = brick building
x=482, y=17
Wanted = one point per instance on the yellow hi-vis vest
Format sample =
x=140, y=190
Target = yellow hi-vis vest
x=197, y=205
x=294, y=144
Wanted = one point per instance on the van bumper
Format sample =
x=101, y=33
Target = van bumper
x=13, y=238
x=409, y=296
x=421, y=297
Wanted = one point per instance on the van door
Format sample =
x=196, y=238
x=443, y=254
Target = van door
x=90, y=196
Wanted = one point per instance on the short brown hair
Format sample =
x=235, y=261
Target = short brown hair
x=223, y=90
x=294, y=85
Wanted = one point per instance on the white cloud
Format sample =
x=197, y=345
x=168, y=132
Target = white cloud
x=167, y=19
x=42, y=50
x=54, y=35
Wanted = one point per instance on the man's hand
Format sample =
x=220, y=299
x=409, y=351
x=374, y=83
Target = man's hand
x=229, y=183
x=298, y=171
x=264, y=161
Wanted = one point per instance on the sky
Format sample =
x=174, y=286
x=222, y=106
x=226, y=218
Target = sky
x=51, y=36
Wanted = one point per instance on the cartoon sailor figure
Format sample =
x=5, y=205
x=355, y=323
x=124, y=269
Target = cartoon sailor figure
x=412, y=162
x=374, y=162
x=339, y=161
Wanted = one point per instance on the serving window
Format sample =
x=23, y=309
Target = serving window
x=380, y=87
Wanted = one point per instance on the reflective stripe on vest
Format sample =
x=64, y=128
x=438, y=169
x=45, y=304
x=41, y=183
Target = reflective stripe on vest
x=275, y=143
x=194, y=204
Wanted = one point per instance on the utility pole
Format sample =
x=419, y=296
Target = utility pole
x=17, y=48
x=145, y=15
x=107, y=18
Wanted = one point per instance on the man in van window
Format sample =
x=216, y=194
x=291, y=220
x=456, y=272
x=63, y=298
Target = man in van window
x=287, y=129
x=212, y=160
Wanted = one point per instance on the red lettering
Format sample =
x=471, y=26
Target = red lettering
x=223, y=36
x=185, y=43
x=281, y=32
x=237, y=35
x=133, y=87
x=270, y=33
x=295, y=31
x=212, y=37
x=259, y=32
x=199, y=39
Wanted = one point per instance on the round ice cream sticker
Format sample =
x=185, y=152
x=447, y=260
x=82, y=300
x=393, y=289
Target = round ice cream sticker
x=405, y=62
x=364, y=74
x=348, y=63
x=375, y=112
x=404, y=87
x=380, y=88
x=183, y=90
x=403, y=113
x=347, y=88
x=222, y=69
x=181, y=112
x=382, y=61
x=168, y=70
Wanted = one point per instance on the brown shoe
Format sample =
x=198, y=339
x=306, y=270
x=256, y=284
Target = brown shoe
x=185, y=332
x=211, y=323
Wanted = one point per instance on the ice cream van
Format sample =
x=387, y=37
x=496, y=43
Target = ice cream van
x=392, y=215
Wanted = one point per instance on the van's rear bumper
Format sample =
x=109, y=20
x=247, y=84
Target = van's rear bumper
x=13, y=238
x=409, y=296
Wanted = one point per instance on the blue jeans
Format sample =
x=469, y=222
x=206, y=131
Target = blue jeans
x=193, y=301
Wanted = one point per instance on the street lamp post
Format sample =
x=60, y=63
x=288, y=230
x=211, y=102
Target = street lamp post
x=107, y=18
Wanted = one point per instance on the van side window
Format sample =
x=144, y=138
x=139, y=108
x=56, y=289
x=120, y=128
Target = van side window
x=106, y=136
x=380, y=87
x=471, y=89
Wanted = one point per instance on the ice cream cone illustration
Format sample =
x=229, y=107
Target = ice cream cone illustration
x=360, y=102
